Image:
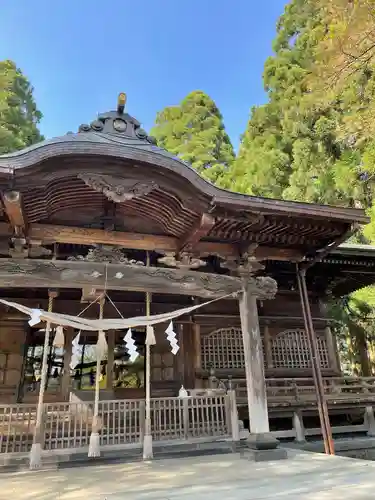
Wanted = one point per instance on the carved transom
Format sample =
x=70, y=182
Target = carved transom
x=117, y=189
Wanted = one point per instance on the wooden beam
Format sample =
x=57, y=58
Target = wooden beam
x=48, y=233
x=284, y=254
x=35, y=273
x=12, y=201
x=198, y=231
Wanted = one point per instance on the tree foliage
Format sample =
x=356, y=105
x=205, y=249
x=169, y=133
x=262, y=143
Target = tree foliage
x=314, y=140
x=19, y=116
x=194, y=131
x=292, y=139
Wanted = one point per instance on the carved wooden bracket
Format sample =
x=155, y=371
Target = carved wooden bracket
x=90, y=293
x=199, y=231
x=184, y=261
x=22, y=249
x=246, y=264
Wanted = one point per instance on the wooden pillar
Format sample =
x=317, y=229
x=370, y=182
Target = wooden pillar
x=333, y=358
x=254, y=366
x=370, y=420
x=262, y=444
x=334, y=362
x=110, y=358
x=197, y=351
x=267, y=347
x=186, y=355
x=299, y=427
x=180, y=358
x=65, y=380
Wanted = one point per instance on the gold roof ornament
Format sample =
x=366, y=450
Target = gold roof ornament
x=121, y=101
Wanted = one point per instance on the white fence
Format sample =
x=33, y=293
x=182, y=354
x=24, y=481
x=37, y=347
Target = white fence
x=67, y=426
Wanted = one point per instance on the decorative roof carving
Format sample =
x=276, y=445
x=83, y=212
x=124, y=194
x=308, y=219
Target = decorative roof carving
x=263, y=287
x=118, y=123
x=245, y=265
x=117, y=189
x=106, y=253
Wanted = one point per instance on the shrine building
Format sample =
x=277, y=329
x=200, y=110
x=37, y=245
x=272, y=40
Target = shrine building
x=106, y=209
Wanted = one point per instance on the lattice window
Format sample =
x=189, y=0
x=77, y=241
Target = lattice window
x=223, y=348
x=290, y=349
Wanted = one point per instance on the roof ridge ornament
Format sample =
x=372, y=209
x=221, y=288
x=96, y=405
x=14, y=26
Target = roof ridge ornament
x=119, y=124
x=121, y=101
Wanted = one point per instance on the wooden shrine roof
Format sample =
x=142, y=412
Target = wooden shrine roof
x=111, y=176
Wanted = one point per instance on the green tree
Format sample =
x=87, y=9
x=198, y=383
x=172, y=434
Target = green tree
x=19, y=116
x=194, y=131
x=310, y=142
x=289, y=149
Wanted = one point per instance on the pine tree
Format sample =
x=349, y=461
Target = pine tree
x=19, y=116
x=194, y=131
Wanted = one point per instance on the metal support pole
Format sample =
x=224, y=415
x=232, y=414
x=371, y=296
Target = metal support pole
x=315, y=363
x=147, y=438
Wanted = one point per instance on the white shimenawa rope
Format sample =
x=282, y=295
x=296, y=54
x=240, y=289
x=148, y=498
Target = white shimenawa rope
x=94, y=325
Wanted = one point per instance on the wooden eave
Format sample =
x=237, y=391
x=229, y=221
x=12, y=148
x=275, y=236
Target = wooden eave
x=50, y=177
x=345, y=270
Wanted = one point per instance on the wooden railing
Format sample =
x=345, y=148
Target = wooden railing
x=68, y=425
x=302, y=390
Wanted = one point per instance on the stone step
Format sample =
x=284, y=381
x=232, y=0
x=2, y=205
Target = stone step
x=161, y=450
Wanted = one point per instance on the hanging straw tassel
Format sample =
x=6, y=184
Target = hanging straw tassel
x=36, y=448
x=76, y=352
x=59, y=340
x=94, y=444
x=150, y=335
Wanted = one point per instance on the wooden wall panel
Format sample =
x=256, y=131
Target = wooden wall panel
x=288, y=304
x=164, y=376
x=12, y=345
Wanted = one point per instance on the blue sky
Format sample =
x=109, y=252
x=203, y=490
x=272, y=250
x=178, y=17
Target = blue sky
x=80, y=54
